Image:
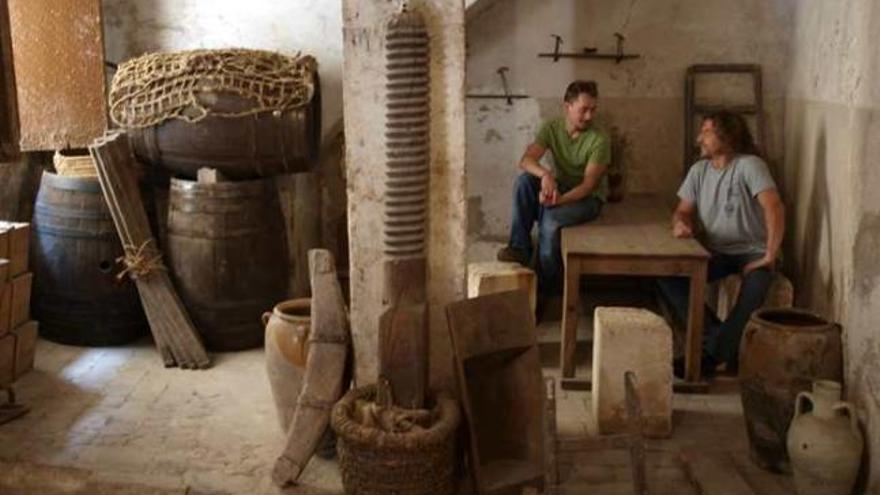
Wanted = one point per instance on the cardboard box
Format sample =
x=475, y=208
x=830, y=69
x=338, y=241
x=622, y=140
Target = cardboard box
x=7, y=359
x=20, y=309
x=14, y=239
x=25, y=347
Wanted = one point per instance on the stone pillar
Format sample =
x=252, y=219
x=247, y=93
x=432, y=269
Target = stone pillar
x=364, y=114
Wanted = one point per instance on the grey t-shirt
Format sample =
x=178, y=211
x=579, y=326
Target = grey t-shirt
x=727, y=203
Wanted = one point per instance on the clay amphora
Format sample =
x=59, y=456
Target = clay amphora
x=824, y=444
x=782, y=351
x=287, y=329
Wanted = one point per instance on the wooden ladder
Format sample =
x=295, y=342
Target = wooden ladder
x=692, y=109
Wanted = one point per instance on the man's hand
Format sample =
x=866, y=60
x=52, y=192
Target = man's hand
x=549, y=192
x=765, y=262
x=682, y=230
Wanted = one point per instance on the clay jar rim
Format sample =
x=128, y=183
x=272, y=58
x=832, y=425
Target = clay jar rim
x=800, y=320
x=287, y=310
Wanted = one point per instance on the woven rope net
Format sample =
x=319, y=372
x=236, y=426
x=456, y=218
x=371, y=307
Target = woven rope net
x=153, y=88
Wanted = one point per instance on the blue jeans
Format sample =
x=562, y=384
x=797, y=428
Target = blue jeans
x=721, y=338
x=527, y=210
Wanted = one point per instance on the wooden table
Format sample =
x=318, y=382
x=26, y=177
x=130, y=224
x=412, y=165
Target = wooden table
x=633, y=237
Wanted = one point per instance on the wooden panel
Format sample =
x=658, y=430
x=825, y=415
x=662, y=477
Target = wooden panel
x=14, y=239
x=20, y=307
x=499, y=370
x=58, y=54
x=8, y=118
x=5, y=306
x=7, y=359
x=25, y=347
x=639, y=225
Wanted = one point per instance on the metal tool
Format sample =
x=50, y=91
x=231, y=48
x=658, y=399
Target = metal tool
x=501, y=72
x=590, y=52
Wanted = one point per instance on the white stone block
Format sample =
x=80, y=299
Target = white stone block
x=637, y=340
x=497, y=276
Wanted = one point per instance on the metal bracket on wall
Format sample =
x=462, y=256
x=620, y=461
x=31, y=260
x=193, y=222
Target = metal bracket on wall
x=507, y=95
x=590, y=52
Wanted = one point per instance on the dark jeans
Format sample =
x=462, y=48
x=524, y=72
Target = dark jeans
x=721, y=338
x=527, y=210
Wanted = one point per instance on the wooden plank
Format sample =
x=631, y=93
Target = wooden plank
x=325, y=369
x=7, y=360
x=551, y=447
x=14, y=241
x=637, y=226
x=58, y=55
x=20, y=299
x=5, y=305
x=176, y=339
x=680, y=386
x=8, y=114
x=25, y=347
x=499, y=370
x=403, y=332
x=570, y=306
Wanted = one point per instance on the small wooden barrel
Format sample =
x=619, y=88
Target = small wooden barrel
x=76, y=296
x=261, y=145
x=227, y=251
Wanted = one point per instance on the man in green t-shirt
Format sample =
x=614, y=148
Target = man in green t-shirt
x=572, y=193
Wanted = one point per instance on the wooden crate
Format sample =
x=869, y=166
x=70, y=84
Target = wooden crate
x=7, y=359
x=20, y=299
x=14, y=238
x=499, y=372
x=25, y=347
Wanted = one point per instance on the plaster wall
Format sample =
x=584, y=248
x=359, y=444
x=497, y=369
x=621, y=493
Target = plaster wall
x=641, y=100
x=832, y=135
x=364, y=106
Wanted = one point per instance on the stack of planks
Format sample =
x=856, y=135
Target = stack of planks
x=18, y=333
x=177, y=340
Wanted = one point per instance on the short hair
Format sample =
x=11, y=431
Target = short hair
x=577, y=88
x=733, y=131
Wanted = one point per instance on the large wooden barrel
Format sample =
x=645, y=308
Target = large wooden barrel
x=261, y=145
x=227, y=252
x=76, y=295
x=781, y=353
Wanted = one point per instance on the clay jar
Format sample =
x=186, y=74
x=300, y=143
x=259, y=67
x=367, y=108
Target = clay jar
x=781, y=353
x=287, y=329
x=824, y=444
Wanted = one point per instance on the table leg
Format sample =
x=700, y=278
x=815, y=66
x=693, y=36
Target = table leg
x=570, y=304
x=694, y=339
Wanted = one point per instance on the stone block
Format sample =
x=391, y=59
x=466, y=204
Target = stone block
x=491, y=277
x=637, y=340
x=780, y=294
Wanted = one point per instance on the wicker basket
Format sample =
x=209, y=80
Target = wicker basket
x=373, y=461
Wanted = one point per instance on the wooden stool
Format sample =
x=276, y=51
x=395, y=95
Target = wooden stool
x=780, y=294
x=637, y=340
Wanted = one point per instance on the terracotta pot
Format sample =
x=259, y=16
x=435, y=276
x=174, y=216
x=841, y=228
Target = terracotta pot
x=781, y=353
x=825, y=444
x=287, y=329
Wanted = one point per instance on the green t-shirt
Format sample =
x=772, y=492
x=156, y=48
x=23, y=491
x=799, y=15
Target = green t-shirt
x=571, y=156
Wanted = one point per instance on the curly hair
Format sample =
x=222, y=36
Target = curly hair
x=733, y=131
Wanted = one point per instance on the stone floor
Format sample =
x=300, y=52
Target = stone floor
x=113, y=420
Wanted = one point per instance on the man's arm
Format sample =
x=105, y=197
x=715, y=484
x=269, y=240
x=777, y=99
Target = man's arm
x=592, y=175
x=774, y=219
x=529, y=163
x=683, y=219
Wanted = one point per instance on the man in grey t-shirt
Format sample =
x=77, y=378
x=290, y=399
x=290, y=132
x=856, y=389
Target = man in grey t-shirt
x=729, y=201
